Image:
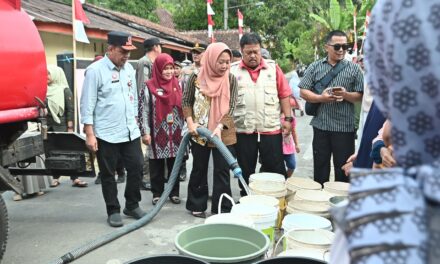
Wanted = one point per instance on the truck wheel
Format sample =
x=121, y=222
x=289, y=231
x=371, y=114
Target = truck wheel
x=3, y=226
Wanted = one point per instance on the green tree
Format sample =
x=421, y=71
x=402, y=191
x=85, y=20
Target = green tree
x=140, y=8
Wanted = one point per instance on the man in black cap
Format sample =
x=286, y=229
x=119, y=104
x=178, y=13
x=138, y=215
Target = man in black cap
x=143, y=73
x=109, y=109
x=196, y=53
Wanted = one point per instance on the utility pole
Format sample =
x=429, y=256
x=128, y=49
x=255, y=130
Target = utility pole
x=225, y=14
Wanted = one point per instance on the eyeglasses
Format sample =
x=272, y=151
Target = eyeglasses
x=337, y=47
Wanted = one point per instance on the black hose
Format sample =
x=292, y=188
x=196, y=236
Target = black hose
x=92, y=245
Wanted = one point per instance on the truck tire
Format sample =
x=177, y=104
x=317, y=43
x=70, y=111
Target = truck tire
x=3, y=226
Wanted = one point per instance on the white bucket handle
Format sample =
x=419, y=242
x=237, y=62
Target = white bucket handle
x=288, y=231
x=221, y=199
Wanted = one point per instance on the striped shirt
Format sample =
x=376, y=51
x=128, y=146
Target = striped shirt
x=335, y=116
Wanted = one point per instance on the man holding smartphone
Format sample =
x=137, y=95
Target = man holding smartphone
x=333, y=124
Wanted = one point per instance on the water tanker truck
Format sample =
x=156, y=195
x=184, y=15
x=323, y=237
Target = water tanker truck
x=23, y=85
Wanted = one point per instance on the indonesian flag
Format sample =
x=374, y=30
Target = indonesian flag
x=211, y=24
x=240, y=23
x=354, y=55
x=80, y=20
x=209, y=10
x=367, y=21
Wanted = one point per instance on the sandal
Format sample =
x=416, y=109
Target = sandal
x=175, y=199
x=155, y=200
x=79, y=183
x=54, y=183
x=199, y=214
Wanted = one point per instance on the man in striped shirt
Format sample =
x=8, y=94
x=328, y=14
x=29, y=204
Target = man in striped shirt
x=333, y=125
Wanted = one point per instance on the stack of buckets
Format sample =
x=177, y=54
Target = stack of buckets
x=307, y=228
x=273, y=185
x=261, y=209
x=305, y=196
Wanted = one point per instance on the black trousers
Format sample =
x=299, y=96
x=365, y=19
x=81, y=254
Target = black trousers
x=108, y=155
x=198, y=182
x=157, y=176
x=326, y=143
x=270, y=150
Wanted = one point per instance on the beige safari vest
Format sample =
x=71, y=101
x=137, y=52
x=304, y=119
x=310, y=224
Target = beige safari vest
x=258, y=106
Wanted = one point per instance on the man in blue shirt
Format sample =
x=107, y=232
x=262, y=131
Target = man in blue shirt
x=109, y=113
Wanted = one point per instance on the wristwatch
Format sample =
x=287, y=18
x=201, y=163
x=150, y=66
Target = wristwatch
x=288, y=118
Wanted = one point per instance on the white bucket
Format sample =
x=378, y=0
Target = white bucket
x=311, y=239
x=305, y=221
x=263, y=216
x=313, y=196
x=230, y=218
x=337, y=188
x=267, y=176
x=301, y=206
x=323, y=255
x=270, y=188
x=294, y=184
x=260, y=200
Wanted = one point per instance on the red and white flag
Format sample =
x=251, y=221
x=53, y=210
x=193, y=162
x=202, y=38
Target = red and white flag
x=240, y=24
x=80, y=20
x=367, y=21
x=211, y=24
x=355, y=48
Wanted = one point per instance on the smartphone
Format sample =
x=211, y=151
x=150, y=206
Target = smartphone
x=336, y=89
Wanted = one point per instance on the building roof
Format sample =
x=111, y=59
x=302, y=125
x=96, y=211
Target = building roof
x=49, y=13
x=229, y=36
x=165, y=18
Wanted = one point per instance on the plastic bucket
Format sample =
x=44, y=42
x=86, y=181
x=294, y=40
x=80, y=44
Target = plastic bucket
x=270, y=188
x=322, y=255
x=294, y=184
x=230, y=218
x=167, y=259
x=313, y=196
x=222, y=243
x=260, y=200
x=337, y=188
x=290, y=260
x=300, y=206
x=311, y=239
x=267, y=176
x=305, y=221
x=264, y=216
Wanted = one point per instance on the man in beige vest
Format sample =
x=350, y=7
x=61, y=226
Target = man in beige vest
x=263, y=93
x=143, y=73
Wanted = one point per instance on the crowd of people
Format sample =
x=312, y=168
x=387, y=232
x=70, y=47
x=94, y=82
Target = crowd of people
x=244, y=99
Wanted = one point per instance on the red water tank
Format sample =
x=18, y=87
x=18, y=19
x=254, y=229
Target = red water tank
x=23, y=70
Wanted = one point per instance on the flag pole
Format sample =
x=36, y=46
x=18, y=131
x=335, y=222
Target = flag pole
x=75, y=92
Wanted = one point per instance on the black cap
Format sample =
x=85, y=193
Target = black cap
x=197, y=48
x=151, y=42
x=120, y=39
x=178, y=63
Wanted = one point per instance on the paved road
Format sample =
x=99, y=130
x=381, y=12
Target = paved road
x=46, y=227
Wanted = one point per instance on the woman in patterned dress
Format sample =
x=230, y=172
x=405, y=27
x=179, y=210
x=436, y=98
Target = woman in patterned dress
x=161, y=123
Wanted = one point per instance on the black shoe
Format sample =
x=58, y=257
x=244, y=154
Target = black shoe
x=145, y=186
x=115, y=220
x=98, y=179
x=121, y=178
x=135, y=213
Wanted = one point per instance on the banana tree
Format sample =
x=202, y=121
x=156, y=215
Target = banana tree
x=339, y=16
